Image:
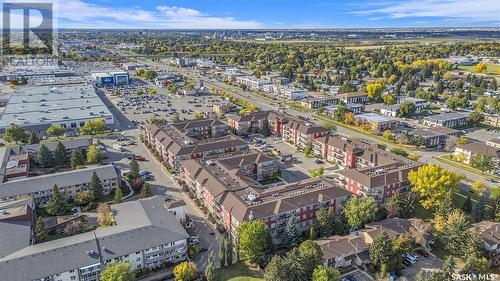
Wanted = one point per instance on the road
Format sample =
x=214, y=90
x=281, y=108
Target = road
x=264, y=104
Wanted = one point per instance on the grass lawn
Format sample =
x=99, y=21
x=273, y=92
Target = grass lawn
x=446, y=159
x=239, y=272
x=491, y=69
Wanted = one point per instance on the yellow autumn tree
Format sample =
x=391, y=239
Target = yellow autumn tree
x=481, y=67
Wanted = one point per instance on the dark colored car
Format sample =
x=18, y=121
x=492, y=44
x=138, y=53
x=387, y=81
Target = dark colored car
x=140, y=158
x=422, y=252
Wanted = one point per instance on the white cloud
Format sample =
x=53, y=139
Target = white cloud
x=466, y=10
x=78, y=13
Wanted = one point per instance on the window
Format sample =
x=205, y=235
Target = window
x=73, y=277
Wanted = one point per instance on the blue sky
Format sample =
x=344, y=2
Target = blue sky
x=240, y=14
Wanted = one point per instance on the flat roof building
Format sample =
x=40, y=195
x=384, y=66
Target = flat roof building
x=70, y=106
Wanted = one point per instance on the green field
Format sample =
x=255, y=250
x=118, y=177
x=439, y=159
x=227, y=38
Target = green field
x=492, y=69
x=239, y=272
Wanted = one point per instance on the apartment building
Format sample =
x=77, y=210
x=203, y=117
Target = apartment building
x=492, y=120
x=293, y=94
x=69, y=183
x=174, y=145
x=435, y=136
x=233, y=196
x=145, y=233
x=355, y=108
x=449, y=120
x=315, y=103
x=302, y=134
x=248, y=123
x=353, y=97
x=378, y=123
x=253, y=83
x=420, y=104
x=472, y=149
x=201, y=129
x=338, y=150
x=490, y=233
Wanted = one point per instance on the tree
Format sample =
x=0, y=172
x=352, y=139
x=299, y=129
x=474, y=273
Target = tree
x=482, y=161
x=380, y=250
x=455, y=233
x=15, y=134
x=276, y=269
x=325, y=219
x=295, y=265
x=56, y=130
x=199, y=115
x=118, y=198
x=406, y=109
x=467, y=206
x=83, y=198
x=210, y=269
x=478, y=212
x=222, y=253
x=93, y=127
x=495, y=198
x=311, y=255
x=462, y=141
x=185, y=271
x=253, y=240
x=387, y=134
x=73, y=228
x=60, y=154
x=57, y=203
x=290, y=235
x=475, y=265
x=433, y=184
x=312, y=233
x=95, y=187
x=389, y=99
x=307, y=151
x=94, y=155
x=145, y=190
x=41, y=231
x=117, y=271
x=478, y=186
x=322, y=273
x=349, y=118
x=33, y=138
x=475, y=118
x=401, y=205
x=76, y=159
x=104, y=215
x=359, y=211
x=481, y=67
x=45, y=157
x=374, y=90
x=134, y=168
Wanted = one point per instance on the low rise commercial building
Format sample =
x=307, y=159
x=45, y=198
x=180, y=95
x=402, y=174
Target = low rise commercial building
x=449, y=120
x=144, y=233
x=111, y=78
x=252, y=83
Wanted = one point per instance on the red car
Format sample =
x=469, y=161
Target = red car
x=140, y=158
x=421, y=252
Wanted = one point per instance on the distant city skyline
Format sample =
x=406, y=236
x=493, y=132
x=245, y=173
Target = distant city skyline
x=275, y=14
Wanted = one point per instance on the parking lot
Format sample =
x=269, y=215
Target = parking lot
x=429, y=263
x=357, y=275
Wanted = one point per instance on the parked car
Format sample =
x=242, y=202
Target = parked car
x=140, y=158
x=422, y=252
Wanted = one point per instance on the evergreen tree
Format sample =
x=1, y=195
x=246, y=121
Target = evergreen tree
x=325, y=220
x=145, y=190
x=210, y=269
x=380, y=250
x=45, y=157
x=295, y=265
x=467, y=206
x=290, y=235
x=33, y=138
x=40, y=230
x=57, y=203
x=134, y=168
x=222, y=253
x=118, y=195
x=479, y=210
x=95, y=187
x=76, y=159
x=312, y=233
x=229, y=249
x=276, y=270
x=60, y=155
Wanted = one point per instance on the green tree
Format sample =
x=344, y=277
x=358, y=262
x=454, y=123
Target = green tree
x=117, y=271
x=476, y=265
x=134, y=168
x=478, y=212
x=57, y=203
x=406, y=109
x=359, y=211
x=210, y=269
x=15, y=134
x=45, y=157
x=185, y=271
x=325, y=220
x=455, y=233
x=60, y=154
x=95, y=187
x=307, y=151
x=222, y=253
x=145, y=190
x=94, y=127
x=475, y=118
x=229, y=249
x=467, y=206
x=199, y=115
x=495, y=198
x=290, y=236
x=118, y=198
x=83, y=198
x=311, y=255
x=433, y=184
x=482, y=161
x=33, y=138
x=387, y=134
x=374, y=90
x=94, y=155
x=56, y=130
x=312, y=233
x=295, y=265
x=253, y=241
x=76, y=159
x=41, y=231
x=322, y=273
x=380, y=250
x=276, y=269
